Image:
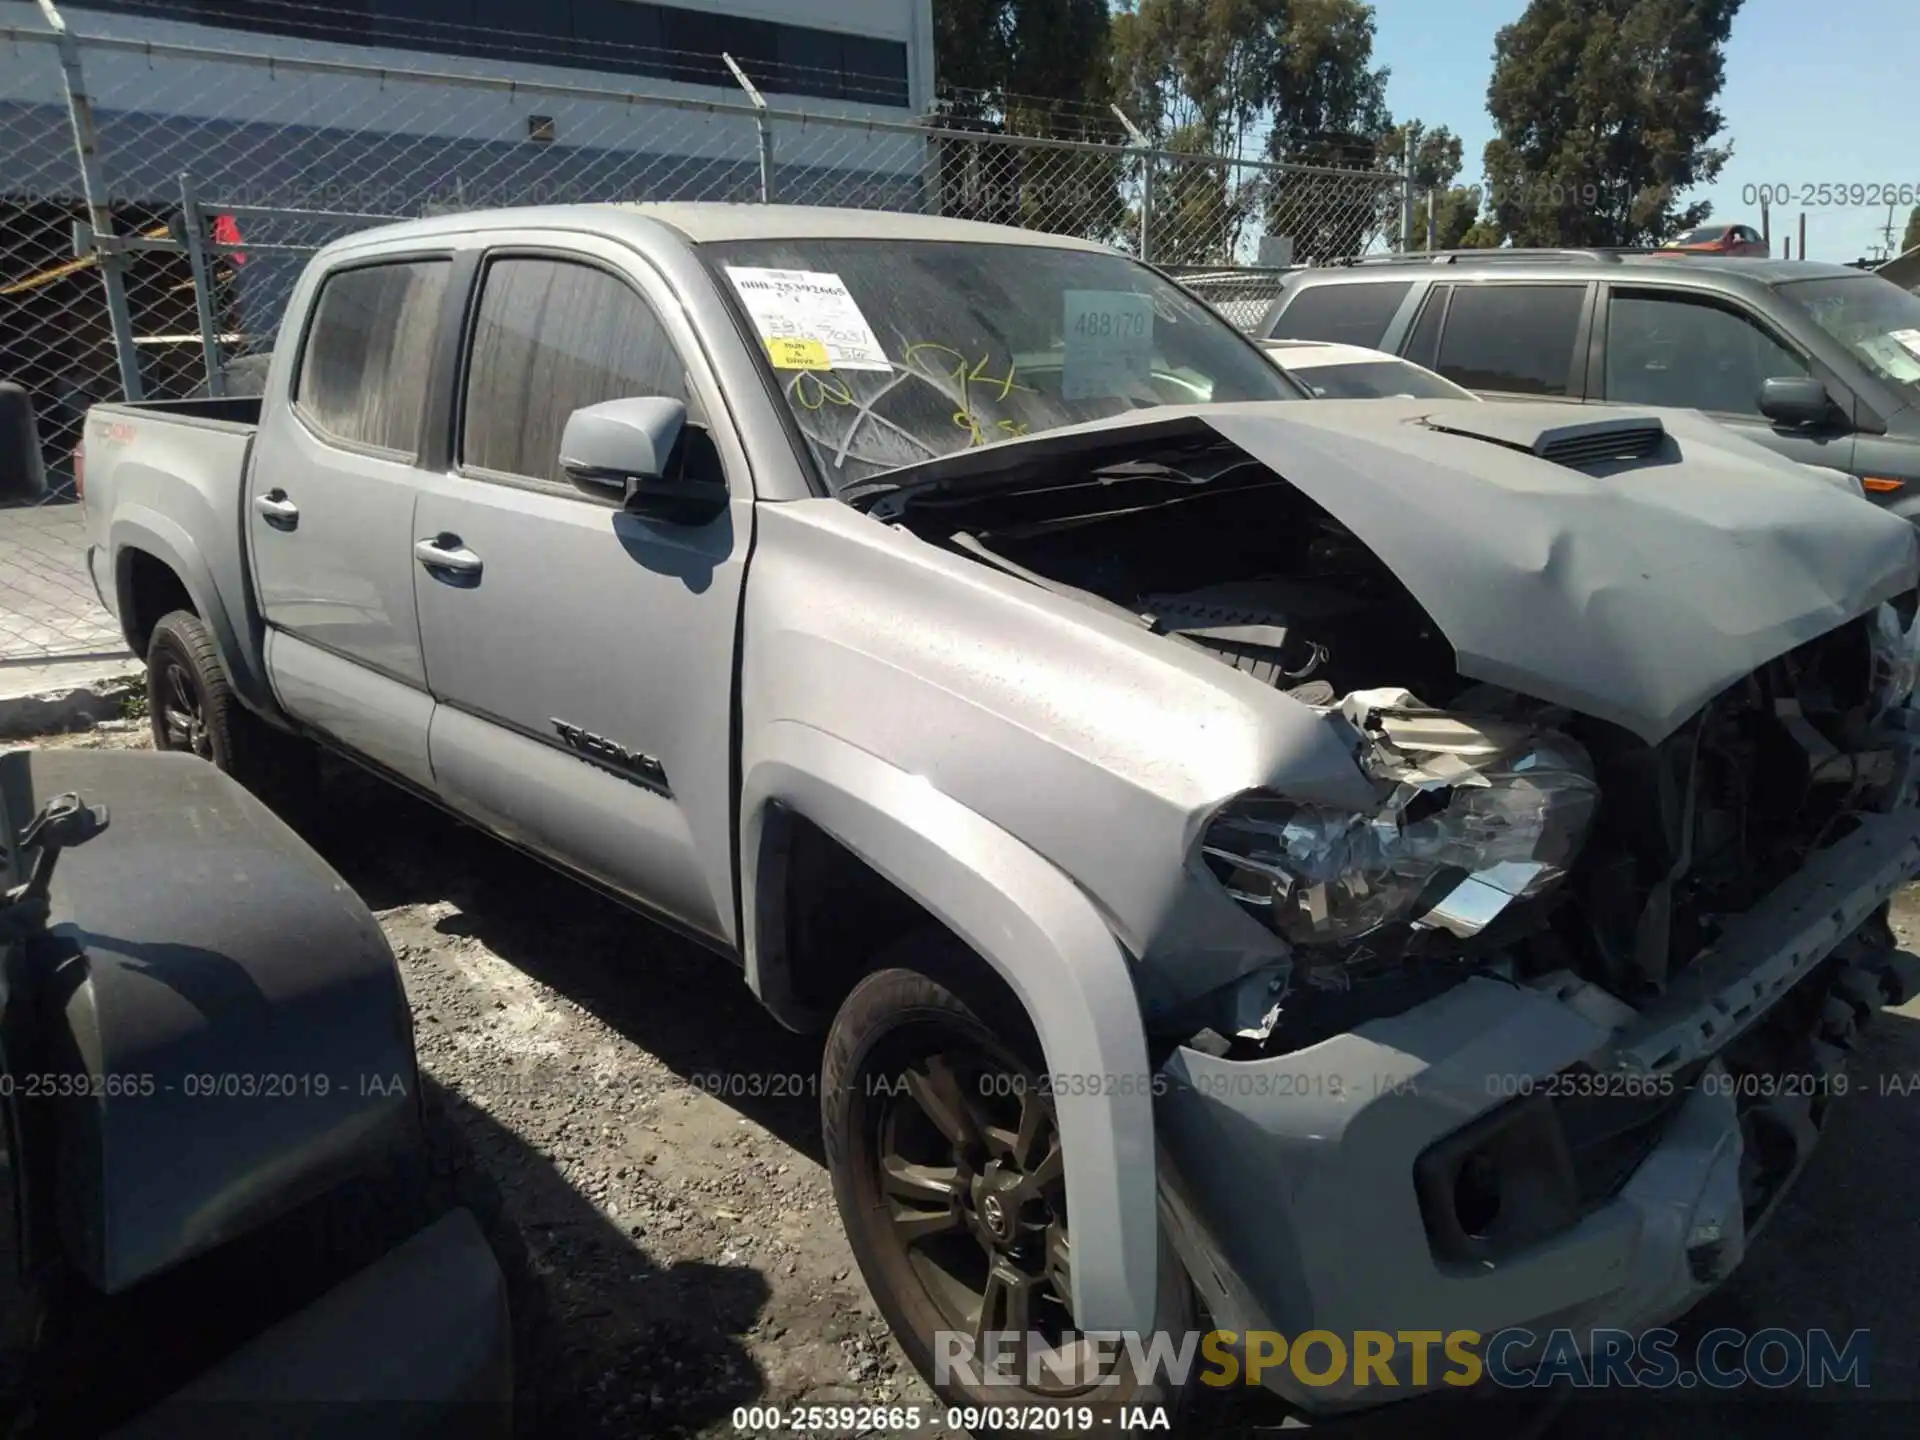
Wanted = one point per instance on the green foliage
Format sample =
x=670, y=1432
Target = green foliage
x=1912, y=238
x=1605, y=116
x=1291, y=78
x=1028, y=67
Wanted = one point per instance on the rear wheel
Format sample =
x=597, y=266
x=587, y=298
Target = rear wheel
x=193, y=711
x=950, y=1179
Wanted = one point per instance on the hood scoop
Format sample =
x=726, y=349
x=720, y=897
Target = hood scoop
x=1584, y=445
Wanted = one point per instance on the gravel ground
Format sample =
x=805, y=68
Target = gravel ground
x=642, y=1144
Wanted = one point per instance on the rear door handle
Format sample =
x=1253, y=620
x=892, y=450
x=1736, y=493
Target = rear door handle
x=446, y=553
x=280, y=512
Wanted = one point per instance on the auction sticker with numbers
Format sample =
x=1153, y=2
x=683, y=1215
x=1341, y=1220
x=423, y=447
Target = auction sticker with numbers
x=808, y=319
x=1109, y=344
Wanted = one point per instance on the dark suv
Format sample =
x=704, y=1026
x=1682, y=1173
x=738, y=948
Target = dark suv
x=1818, y=362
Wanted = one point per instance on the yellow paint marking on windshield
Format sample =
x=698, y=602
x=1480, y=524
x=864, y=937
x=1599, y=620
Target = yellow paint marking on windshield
x=956, y=369
x=790, y=352
x=812, y=392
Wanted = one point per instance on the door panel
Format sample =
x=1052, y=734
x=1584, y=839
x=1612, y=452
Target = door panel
x=585, y=681
x=330, y=509
x=582, y=658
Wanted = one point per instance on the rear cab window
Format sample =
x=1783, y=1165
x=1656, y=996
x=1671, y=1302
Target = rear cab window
x=1514, y=339
x=1356, y=313
x=364, y=363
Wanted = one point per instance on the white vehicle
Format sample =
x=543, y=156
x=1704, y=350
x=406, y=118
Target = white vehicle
x=1353, y=372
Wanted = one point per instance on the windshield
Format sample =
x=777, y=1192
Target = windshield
x=1872, y=317
x=1702, y=235
x=893, y=352
x=1375, y=380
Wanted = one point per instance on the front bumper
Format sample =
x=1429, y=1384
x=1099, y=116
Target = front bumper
x=418, y=1344
x=1289, y=1183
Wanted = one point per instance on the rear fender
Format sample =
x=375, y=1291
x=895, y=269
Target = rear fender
x=136, y=527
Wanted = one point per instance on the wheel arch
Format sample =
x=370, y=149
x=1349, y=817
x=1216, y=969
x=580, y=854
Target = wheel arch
x=156, y=563
x=1038, y=932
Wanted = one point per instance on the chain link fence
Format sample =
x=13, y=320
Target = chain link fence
x=158, y=198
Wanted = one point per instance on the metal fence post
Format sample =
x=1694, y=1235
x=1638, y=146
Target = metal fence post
x=108, y=256
x=1145, y=147
x=1406, y=198
x=202, y=286
x=760, y=122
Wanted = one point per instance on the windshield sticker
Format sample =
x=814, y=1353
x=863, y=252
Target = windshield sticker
x=1108, y=338
x=1894, y=354
x=808, y=319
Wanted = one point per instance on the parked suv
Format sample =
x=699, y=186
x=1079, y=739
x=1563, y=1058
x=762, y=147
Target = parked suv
x=1820, y=363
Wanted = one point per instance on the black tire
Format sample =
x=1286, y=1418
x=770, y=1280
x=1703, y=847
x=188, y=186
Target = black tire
x=192, y=708
x=900, y=1017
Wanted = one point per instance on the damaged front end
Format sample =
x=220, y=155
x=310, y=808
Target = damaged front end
x=1562, y=1017
x=1537, y=1030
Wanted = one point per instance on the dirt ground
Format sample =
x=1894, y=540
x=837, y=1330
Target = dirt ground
x=642, y=1144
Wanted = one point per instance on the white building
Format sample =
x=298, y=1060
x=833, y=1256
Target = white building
x=384, y=140
x=400, y=107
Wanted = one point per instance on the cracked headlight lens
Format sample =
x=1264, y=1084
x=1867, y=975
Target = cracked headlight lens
x=1895, y=646
x=1477, y=815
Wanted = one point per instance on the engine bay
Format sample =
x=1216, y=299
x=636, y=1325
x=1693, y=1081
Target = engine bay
x=1686, y=833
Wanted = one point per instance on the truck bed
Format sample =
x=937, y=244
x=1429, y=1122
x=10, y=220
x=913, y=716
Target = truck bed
x=166, y=479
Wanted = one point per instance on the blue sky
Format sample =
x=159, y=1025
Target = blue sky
x=1817, y=91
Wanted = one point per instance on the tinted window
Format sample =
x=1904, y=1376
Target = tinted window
x=1351, y=314
x=1423, y=346
x=363, y=373
x=1516, y=338
x=552, y=337
x=1676, y=350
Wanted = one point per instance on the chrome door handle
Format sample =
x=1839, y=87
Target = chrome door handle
x=277, y=509
x=445, y=552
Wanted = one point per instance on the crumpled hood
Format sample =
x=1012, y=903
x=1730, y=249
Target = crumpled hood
x=1633, y=596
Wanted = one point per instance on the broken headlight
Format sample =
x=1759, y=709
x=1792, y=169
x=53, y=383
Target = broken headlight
x=1476, y=815
x=1895, y=646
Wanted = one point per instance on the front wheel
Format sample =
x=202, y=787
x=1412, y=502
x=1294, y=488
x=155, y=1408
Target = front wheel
x=949, y=1176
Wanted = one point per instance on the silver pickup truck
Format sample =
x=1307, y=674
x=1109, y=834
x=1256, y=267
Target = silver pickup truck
x=1311, y=864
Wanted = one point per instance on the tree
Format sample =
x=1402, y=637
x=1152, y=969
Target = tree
x=1605, y=116
x=1435, y=165
x=1027, y=67
x=1221, y=79
x=1912, y=238
x=1330, y=110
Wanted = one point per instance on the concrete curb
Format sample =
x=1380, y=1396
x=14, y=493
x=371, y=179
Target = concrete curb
x=63, y=698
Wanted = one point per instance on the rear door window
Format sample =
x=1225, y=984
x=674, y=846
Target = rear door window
x=362, y=377
x=1516, y=339
x=1352, y=314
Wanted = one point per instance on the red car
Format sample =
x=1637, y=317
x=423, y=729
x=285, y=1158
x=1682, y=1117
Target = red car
x=1720, y=240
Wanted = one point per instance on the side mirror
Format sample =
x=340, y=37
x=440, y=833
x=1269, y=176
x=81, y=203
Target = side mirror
x=1795, y=400
x=629, y=452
